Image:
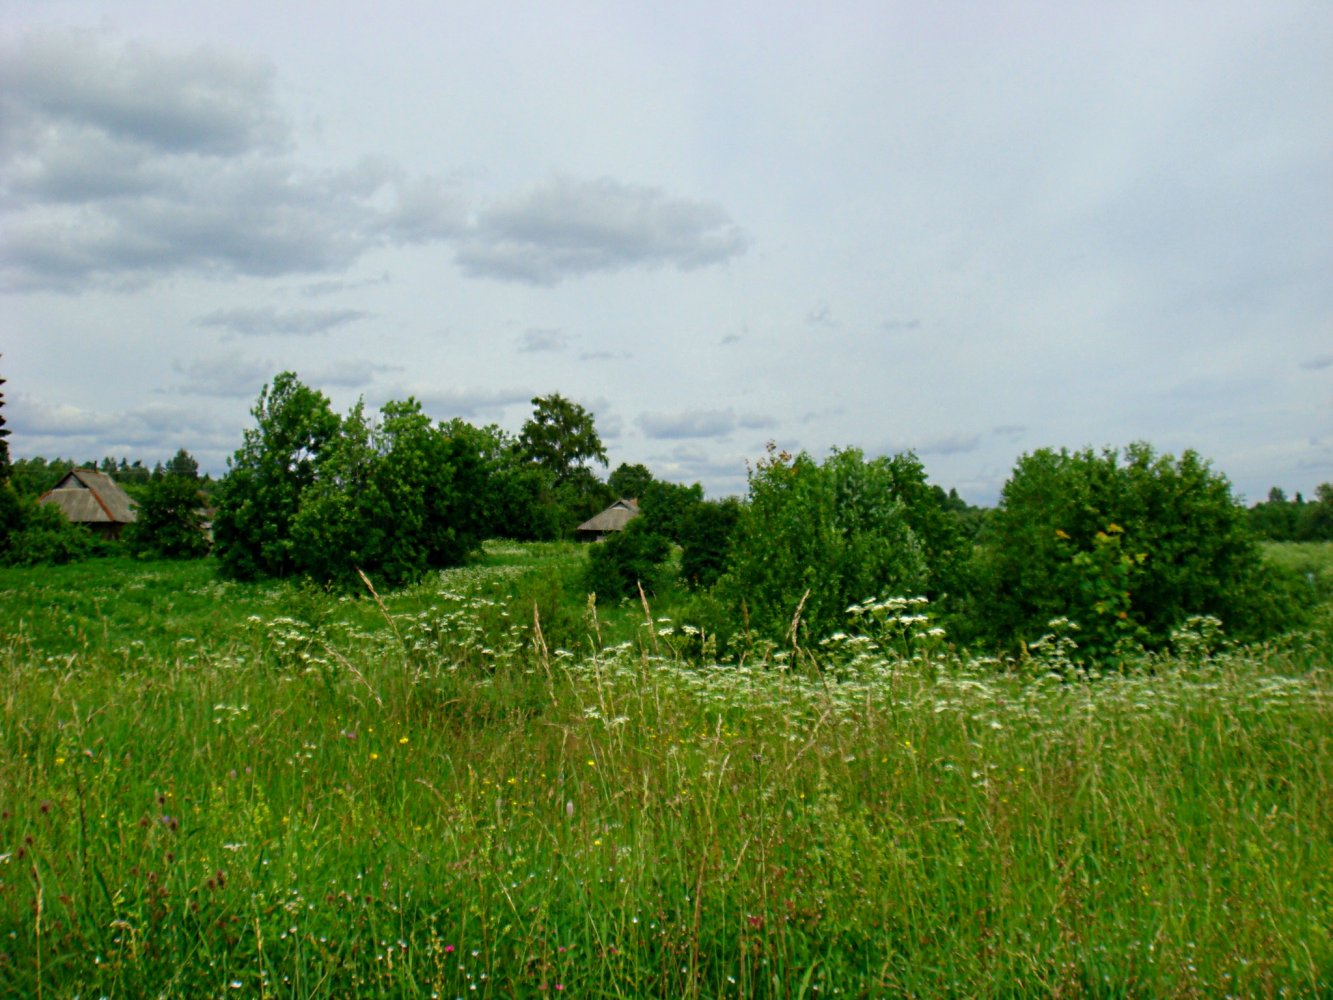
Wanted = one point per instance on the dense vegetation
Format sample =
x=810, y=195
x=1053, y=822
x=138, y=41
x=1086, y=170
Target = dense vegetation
x=1123, y=546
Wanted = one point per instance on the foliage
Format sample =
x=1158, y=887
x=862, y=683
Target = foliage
x=4, y=446
x=1127, y=548
x=814, y=539
x=624, y=561
x=394, y=498
x=666, y=506
x=32, y=477
x=35, y=533
x=561, y=437
x=705, y=540
x=1281, y=520
x=170, y=520
x=182, y=464
x=279, y=460
x=629, y=482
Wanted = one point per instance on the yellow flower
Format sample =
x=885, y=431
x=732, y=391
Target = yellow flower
x=403, y=740
x=374, y=756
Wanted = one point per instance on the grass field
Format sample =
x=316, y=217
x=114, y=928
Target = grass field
x=220, y=790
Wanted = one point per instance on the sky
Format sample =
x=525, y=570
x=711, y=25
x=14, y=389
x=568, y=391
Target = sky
x=966, y=230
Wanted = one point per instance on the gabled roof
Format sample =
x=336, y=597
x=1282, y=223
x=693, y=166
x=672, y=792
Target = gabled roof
x=87, y=496
x=614, y=518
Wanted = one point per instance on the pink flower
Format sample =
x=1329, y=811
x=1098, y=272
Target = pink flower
x=448, y=949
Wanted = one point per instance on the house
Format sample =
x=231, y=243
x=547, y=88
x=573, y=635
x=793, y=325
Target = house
x=87, y=496
x=613, y=519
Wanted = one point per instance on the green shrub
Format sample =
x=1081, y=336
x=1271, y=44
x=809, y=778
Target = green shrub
x=39, y=533
x=1126, y=546
x=819, y=538
x=626, y=560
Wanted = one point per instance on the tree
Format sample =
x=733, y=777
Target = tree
x=170, y=521
x=707, y=529
x=183, y=465
x=560, y=436
x=629, y=482
x=4, y=440
x=818, y=538
x=1128, y=546
x=279, y=460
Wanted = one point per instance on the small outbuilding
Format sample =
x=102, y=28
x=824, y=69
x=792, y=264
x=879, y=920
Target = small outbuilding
x=609, y=521
x=87, y=496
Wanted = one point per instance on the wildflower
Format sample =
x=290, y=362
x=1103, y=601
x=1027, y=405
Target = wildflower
x=374, y=756
x=403, y=740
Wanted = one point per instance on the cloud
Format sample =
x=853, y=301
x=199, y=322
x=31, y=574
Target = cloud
x=1318, y=363
x=230, y=376
x=254, y=321
x=539, y=341
x=900, y=325
x=154, y=429
x=821, y=315
x=944, y=444
x=566, y=228
x=1010, y=431
x=122, y=165
x=700, y=423
x=466, y=402
x=347, y=374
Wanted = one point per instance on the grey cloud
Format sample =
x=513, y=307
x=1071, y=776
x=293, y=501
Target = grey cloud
x=690, y=463
x=566, y=228
x=821, y=315
x=120, y=166
x=949, y=444
x=155, y=429
x=466, y=402
x=603, y=356
x=254, y=321
x=1319, y=363
x=538, y=341
x=1009, y=430
x=900, y=325
x=201, y=102
x=230, y=376
x=696, y=424
x=348, y=374
x=701, y=423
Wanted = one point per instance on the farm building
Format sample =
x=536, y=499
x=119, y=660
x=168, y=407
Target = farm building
x=87, y=496
x=613, y=519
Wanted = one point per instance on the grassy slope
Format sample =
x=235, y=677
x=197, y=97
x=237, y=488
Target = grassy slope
x=208, y=789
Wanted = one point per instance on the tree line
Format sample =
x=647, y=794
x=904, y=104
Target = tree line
x=1125, y=543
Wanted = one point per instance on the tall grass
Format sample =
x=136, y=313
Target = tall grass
x=321, y=797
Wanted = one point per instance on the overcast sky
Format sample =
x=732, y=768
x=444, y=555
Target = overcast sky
x=970, y=230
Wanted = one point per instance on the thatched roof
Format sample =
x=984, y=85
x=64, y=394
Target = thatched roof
x=87, y=496
x=614, y=518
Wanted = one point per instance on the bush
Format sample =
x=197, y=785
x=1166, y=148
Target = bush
x=1128, y=547
x=37, y=533
x=621, y=563
x=818, y=537
x=705, y=541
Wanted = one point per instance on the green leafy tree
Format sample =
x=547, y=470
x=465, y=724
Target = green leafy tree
x=279, y=460
x=1128, y=546
x=396, y=497
x=170, y=520
x=560, y=436
x=819, y=538
x=629, y=482
x=707, y=529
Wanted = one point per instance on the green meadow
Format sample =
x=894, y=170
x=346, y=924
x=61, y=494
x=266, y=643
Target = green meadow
x=482, y=786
